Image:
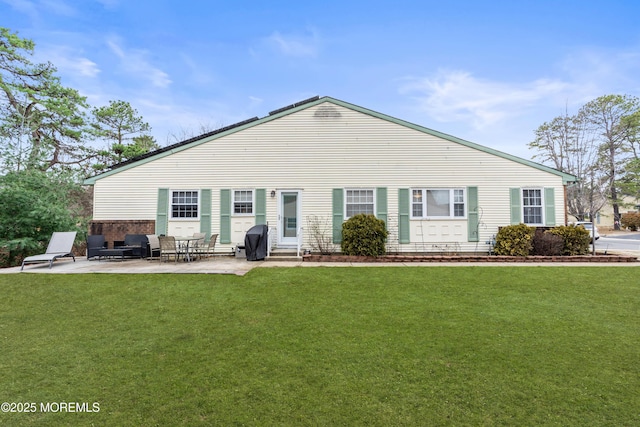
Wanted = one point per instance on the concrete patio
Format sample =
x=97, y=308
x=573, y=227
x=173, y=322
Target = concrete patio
x=239, y=266
x=215, y=265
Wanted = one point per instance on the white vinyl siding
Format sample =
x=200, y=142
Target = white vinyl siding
x=349, y=150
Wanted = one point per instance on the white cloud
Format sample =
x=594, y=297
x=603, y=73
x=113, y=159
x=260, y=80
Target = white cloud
x=599, y=72
x=59, y=7
x=294, y=45
x=24, y=6
x=255, y=102
x=72, y=63
x=198, y=74
x=459, y=96
x=135, y=62
x=33, y=8
x=109, y=4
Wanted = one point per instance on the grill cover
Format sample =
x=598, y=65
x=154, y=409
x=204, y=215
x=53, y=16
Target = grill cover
x=255, y=242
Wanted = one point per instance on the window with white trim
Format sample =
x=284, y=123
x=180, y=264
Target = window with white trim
x=184, y=204
x=243, y=202
x=438, y=203
x=532, y=208
x=359, y=201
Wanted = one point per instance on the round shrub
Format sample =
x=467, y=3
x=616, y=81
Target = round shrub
x=363, y=235
x=576, y=239
x=631, y=220
x=514, y=240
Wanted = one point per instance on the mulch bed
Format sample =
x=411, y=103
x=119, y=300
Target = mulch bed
x=469, y=258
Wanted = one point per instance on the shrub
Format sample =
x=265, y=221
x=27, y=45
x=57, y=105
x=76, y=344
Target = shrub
x=576, y=239
x=363, y=235
x=34, y=205
x=514, y=240
x=631, y=220
x=320, y=233
x=547, y=244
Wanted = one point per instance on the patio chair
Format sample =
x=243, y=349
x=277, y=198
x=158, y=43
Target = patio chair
x=95, y=243
x=195, y=246
x=168, y=247
x=208, y=251
x=154, y=247
x=60, y=246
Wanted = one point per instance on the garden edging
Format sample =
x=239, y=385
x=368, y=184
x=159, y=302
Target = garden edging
x=470, y=258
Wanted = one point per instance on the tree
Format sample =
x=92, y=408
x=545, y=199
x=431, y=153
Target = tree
x=42, y=123
x=599, y=145
x=34, y=205
x=610, y=117
x=118, y=122
x=569, y=146
x=187, y=133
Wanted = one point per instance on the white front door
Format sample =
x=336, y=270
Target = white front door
x=288, y=217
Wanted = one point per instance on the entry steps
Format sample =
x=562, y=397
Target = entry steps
x=284, y=255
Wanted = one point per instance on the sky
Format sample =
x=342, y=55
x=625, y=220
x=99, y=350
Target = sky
x=490, y=72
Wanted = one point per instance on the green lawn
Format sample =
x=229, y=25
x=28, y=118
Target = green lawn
x=326, y=346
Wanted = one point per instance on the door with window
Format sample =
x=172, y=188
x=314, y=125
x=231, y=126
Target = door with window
x=288, y=217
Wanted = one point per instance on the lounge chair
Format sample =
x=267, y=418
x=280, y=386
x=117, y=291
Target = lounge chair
x=60, y=246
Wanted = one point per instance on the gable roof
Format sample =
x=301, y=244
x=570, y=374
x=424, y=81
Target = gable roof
x=293, y=108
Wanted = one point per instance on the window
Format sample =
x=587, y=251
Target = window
x=532, y=206
x=184, y=204
x=243, y=202
x=359, y=202
x=437, y=203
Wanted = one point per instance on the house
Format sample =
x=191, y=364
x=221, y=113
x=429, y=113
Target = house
x=306, y=168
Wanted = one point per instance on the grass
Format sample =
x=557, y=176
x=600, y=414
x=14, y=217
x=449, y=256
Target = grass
x=326, y=346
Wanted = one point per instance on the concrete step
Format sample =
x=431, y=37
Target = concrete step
x=283, y=255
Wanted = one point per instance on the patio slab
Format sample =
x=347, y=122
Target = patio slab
x=216, y=265
x=240, y=267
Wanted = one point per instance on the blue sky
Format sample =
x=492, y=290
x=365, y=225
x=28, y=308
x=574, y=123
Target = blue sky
x=489, y=72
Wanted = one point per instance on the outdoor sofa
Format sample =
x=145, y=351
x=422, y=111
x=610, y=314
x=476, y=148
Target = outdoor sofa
x=138, y=243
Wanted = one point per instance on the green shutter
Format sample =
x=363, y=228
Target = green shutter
x=404, y=231
x=473, y=218
x=381, y=204
x=338, y=214
x=261, y=206
x=205, y=212
x=516, y=210
x=162, y=219
x=549, y=207
x=225, y=216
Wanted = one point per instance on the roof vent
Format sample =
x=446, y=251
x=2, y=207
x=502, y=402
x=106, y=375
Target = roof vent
x=327, y=112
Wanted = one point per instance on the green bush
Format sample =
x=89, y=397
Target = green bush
x=363, y=235
x=514, y=240
x=631, y=220
x=576, y=239
x=34, y=205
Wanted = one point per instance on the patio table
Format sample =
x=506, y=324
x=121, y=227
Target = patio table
x=187, y=241
x=111, y=253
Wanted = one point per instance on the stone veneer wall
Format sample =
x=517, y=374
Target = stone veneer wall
x=116, y=229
